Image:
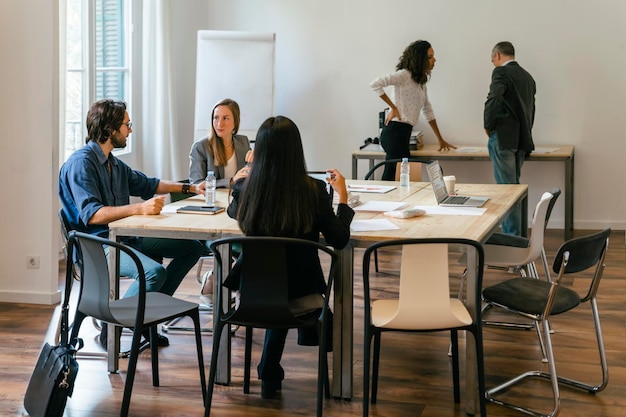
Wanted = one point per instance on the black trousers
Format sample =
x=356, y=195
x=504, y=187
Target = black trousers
x=395, y=141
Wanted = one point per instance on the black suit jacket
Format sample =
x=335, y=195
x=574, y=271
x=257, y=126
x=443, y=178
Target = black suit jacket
x=305, y=271
x=510, y=107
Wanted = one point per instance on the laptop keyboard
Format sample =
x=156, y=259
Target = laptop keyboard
x=456, y=199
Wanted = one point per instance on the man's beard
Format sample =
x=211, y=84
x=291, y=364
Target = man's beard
x=118, y=143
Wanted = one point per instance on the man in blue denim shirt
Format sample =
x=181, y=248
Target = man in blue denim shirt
x=95, y=189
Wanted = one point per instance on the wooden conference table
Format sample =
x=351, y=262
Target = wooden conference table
x=478, y=228
x=544, y=153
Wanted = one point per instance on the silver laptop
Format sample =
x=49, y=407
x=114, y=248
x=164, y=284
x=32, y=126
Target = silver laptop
x=441, y=194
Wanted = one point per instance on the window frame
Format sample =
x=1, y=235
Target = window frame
x=131, y=13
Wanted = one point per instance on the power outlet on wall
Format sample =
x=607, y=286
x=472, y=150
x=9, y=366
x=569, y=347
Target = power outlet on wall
x=32, y=261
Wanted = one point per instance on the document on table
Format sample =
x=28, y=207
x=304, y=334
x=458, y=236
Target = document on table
x=453, y=211
x=372, y=225
x=472, y=149
x=380, y=189
x=380, y=206
x=545, y=150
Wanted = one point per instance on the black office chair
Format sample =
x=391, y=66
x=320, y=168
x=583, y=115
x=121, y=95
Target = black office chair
x=143, y=311
x=539, y=300
x=65, y=232
x=423, y=305
x=264, y=301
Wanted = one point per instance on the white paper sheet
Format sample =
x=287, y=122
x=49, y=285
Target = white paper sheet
x=380, y=189
x=380, y=206
x=373, y=224
x=454, y=211
x=169, y=209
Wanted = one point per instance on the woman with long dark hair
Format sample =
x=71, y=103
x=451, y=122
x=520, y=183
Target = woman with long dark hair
x=279, y=198
x=411, y=98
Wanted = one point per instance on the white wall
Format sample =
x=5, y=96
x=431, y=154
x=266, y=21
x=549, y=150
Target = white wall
x=29, y=120
x=327, y=52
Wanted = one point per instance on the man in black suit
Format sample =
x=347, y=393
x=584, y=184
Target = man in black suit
x=508, y=120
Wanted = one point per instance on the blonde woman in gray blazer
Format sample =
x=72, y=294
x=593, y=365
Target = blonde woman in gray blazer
x=224, y=152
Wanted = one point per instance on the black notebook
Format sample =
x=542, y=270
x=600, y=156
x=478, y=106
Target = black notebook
x=200, y=209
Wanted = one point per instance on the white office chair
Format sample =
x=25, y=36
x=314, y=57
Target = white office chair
x=423, y=305
x=521, y=259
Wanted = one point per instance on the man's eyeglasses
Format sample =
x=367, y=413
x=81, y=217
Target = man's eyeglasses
x=128, y=125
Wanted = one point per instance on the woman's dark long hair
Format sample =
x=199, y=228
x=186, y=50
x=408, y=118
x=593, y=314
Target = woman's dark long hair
x=415, y=60
x=279, y=198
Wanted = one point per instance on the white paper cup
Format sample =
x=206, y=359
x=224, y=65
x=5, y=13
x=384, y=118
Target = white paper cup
x=450, y=181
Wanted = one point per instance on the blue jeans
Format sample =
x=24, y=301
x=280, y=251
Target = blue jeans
x=183, y=253
x=507, y=166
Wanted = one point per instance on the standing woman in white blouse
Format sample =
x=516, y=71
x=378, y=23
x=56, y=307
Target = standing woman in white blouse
x=411, y=98
x=224, y=151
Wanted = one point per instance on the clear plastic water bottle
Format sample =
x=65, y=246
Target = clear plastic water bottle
x=211, y=185
x=405, y=172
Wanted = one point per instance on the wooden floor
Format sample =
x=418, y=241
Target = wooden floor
x=415, y=369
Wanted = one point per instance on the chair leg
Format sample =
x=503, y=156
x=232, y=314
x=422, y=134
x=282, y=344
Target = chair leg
x=480, y=363
x=454, y=342
x=154, y=352
x=544, y=358
x=130, y=373
x=375, y=364
x=376, y=260
x=213, y=367
x=195, y=316
x=592, y=389
x=551, y=375
x=367, y=344
x=247, y=360
x=323, y=382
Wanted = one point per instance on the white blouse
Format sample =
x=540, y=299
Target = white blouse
x=409, y=97
x=231, y=167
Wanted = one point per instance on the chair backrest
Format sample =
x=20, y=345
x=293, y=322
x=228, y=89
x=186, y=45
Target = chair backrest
x=89, y=250
x=556, y=192
x=424, y=291
x=582, y=253
x=264, y=280
x=416, y=168
x=538, y=229
x=65, y=228
x=65, y=233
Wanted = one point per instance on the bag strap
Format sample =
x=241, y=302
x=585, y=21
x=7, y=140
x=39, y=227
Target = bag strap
x=76, y=344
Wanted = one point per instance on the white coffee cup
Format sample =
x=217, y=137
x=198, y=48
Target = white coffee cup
x=450, y=181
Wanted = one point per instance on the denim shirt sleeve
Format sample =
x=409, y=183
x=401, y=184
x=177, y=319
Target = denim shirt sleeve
x=85, y=186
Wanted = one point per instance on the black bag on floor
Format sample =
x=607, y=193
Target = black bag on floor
x=54, y=375
x=52, y=381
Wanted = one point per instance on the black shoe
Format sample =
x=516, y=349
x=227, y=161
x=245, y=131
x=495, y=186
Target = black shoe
x=161, y=341
x=269, y=389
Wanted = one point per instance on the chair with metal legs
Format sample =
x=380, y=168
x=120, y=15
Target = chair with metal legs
x=538, y=300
